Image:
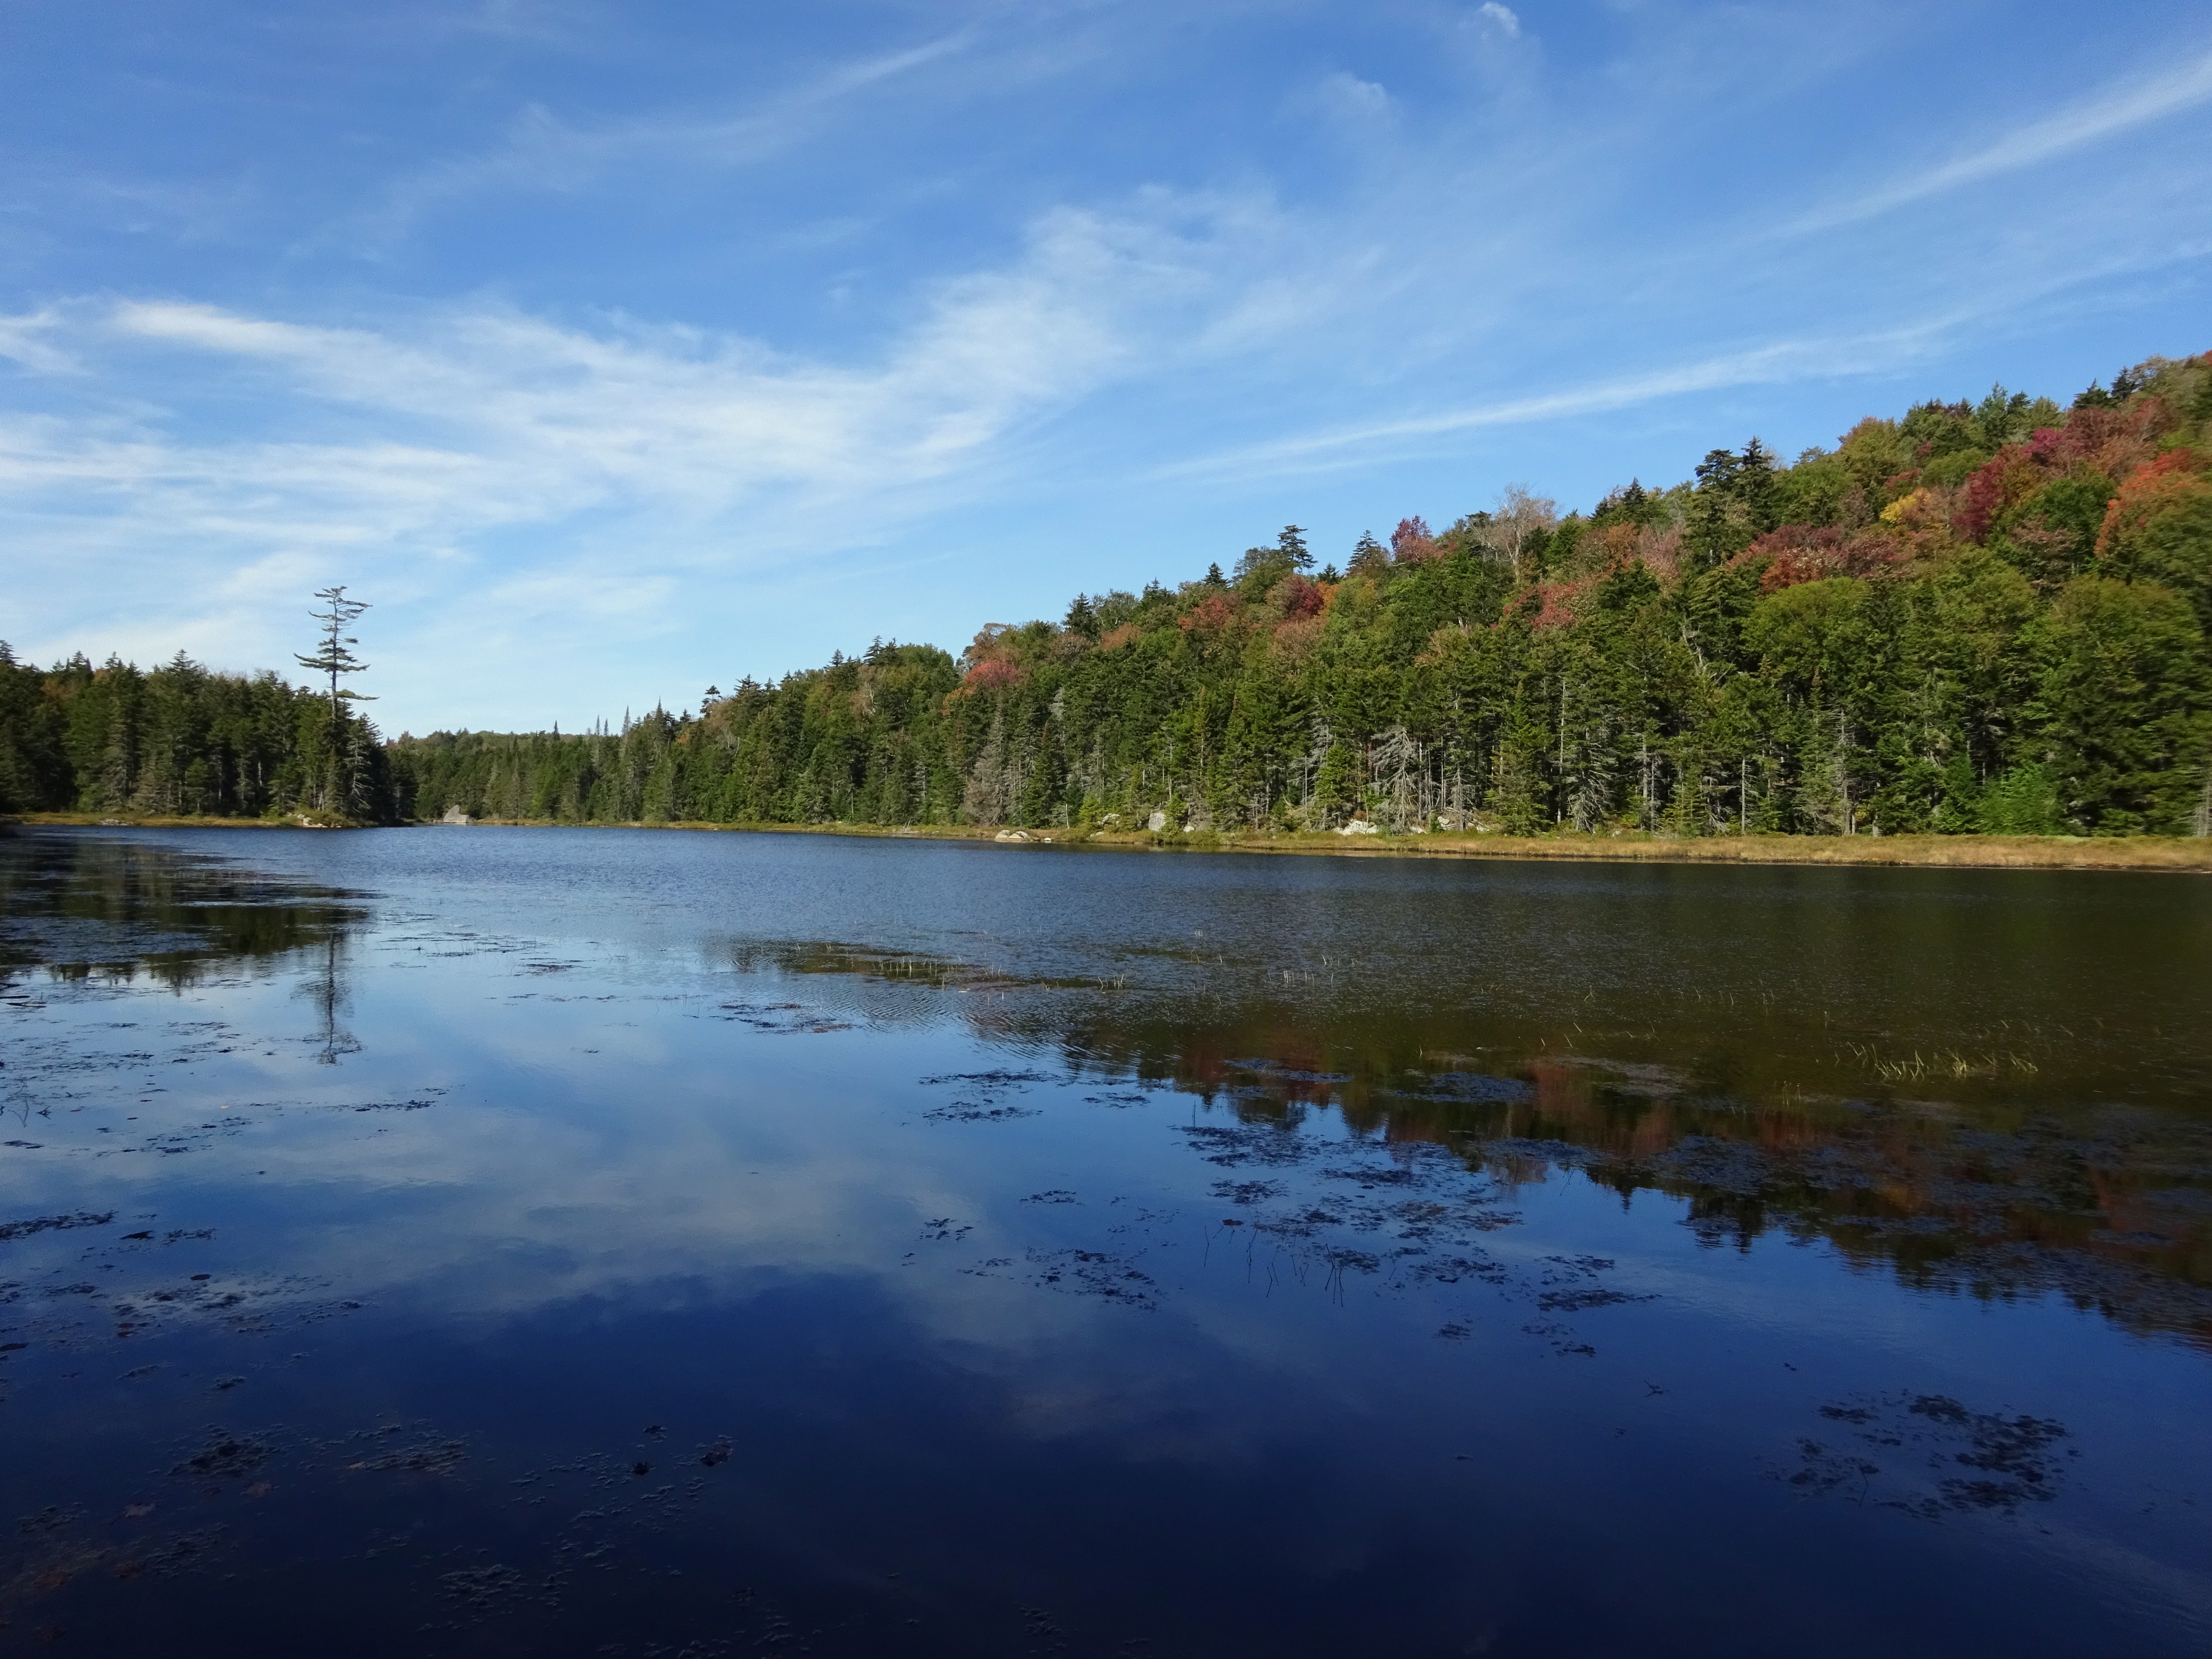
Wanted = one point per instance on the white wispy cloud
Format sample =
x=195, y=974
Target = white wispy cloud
x=27, y=341
x=634, y=456
x=1776, y=362
x=543, y=152
x=557, y=413
x=2110, y=111
x=1349, y=101
x=1503, y=19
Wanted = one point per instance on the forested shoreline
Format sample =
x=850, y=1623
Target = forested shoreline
x=182, y=741
x=1981, y=618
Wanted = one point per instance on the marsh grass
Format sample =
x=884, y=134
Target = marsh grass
x=1941, y=1064
x=2192, y=856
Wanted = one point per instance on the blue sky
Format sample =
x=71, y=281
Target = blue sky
x=617, y=350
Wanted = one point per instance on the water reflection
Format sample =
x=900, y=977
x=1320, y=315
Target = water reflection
x=84, y=907
x=728, y=1245
x=326, y=988
x=1934, y=1166
x=2109, y=1205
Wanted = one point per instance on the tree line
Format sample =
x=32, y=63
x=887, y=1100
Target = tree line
x=1981, y=616
x=180, y=740
x=1984, y=615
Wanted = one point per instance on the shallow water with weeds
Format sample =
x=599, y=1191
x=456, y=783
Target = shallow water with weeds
x=507, y=1242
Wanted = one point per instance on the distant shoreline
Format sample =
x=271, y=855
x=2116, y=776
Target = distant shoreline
x=2175, y=855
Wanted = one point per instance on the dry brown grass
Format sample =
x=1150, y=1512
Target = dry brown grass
x=1952, y=852
x=96, y=820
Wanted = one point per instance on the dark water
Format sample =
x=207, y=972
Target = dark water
x=495, y=1241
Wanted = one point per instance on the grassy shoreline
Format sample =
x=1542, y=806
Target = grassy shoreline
x=159, y=821
x=2175, y=855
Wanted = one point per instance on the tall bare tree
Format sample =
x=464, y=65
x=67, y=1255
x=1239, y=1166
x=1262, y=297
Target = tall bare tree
x=1521, y=517
x=345, y=772
x=335, y=658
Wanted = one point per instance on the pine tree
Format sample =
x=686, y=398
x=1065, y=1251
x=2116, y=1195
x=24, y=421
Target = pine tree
x=335, y=657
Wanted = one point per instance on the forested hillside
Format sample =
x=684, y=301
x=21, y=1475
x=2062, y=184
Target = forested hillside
x=1981, y=616
x=1985, y=616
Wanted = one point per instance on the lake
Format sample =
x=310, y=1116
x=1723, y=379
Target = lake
x=502, y=1241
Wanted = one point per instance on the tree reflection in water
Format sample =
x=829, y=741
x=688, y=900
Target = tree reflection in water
x=81, y=907
x=326, y=986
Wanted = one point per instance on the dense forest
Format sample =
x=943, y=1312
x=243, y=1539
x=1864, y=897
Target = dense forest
x=1983, y=617
x=181, y=741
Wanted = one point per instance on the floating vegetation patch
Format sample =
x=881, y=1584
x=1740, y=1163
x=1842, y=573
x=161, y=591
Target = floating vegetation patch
x=1280, y=1071
x=224, y=1457
x=1234, y=1145
x=1929, y=1456
x=1248, y=1192
x=1109, y=1275
x=1475, y=1088
x=422, y=1457
x=982, y=1096
x=41, y=1224
x=784, y=1018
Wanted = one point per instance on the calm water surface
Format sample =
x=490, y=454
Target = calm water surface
x=496, y=1242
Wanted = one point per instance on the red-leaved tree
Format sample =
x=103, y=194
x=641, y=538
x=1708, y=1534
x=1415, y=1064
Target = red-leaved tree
x=1411, y=542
